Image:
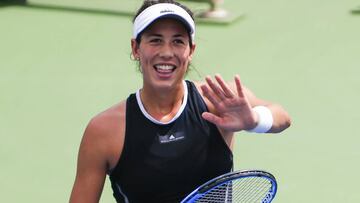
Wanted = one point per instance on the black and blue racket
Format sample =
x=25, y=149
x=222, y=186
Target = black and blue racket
x=247, y=186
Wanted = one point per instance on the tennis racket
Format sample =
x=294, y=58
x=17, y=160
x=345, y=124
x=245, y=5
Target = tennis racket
x=239, y=186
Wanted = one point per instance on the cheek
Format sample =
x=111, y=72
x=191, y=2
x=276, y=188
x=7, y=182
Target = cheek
x=144, y=57
x=147, y=53
x=185, y=58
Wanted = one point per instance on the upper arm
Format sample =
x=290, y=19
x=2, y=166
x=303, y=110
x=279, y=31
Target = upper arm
x=91, y=167
x=100, y=149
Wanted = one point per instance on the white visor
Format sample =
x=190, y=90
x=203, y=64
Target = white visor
x=156, y=11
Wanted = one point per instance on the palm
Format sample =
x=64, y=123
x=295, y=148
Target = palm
x=232, y=111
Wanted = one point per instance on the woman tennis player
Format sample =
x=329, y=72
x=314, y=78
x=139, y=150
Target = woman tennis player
x=172, y=135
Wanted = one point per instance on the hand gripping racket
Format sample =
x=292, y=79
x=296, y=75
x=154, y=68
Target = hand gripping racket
x=248, y=186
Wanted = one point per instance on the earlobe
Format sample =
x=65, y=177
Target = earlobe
x=134, y=49
x=192, y=50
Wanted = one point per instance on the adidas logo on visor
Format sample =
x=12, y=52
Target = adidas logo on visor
x=167, y=11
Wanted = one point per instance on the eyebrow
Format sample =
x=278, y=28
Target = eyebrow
x=154, y=35
x=178, y=35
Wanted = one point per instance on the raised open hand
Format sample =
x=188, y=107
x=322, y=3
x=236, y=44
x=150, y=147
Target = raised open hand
x=233, y=111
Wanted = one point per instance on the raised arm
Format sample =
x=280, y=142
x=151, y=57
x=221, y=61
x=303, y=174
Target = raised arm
x=232, y=107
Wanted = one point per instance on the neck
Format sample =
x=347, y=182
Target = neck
x=162, y=104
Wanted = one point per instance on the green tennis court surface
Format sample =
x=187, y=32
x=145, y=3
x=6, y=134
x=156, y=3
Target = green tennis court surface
x=62, y=62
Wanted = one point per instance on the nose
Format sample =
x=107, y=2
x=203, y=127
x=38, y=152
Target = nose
x=166, y=51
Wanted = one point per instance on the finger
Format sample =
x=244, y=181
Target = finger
x=210, y=95
x=212, y=118
x=239, y=86
x=227, y=91
x=215, y=88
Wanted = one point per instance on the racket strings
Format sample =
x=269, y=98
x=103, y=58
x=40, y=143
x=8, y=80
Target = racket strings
x=253, y=190
x=249, y=190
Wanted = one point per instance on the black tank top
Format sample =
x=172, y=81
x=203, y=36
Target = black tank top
x=164, y=162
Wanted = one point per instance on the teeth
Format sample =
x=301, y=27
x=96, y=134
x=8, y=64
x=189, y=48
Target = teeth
x=164, y=67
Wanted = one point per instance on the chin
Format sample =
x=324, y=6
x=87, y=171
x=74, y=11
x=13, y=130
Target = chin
x=168, y=84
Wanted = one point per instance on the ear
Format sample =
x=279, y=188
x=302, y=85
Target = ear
x=134, y=49
x=192, y=50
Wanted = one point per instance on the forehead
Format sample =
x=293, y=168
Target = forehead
x=167, y=24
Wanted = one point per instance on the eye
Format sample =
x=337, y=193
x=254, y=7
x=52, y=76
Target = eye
x=155, y=40
x=179, y=41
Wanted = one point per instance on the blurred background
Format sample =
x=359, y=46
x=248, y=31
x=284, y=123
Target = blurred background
x=64, y=61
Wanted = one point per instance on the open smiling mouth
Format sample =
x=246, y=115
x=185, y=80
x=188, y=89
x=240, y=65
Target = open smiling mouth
x=164, y=69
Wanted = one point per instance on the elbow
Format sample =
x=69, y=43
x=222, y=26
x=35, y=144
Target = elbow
x=285, y=124
x=281, y=125
x=287, y=121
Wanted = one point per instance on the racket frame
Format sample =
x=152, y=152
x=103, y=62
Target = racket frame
x=206, y=187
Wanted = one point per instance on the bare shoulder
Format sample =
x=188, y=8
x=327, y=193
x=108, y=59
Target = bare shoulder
x=105, y=133
x=106, y=121
x=198, y=85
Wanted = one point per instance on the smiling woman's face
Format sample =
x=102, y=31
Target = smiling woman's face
x=164, y=53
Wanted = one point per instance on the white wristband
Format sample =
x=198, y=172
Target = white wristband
x=265, y=120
